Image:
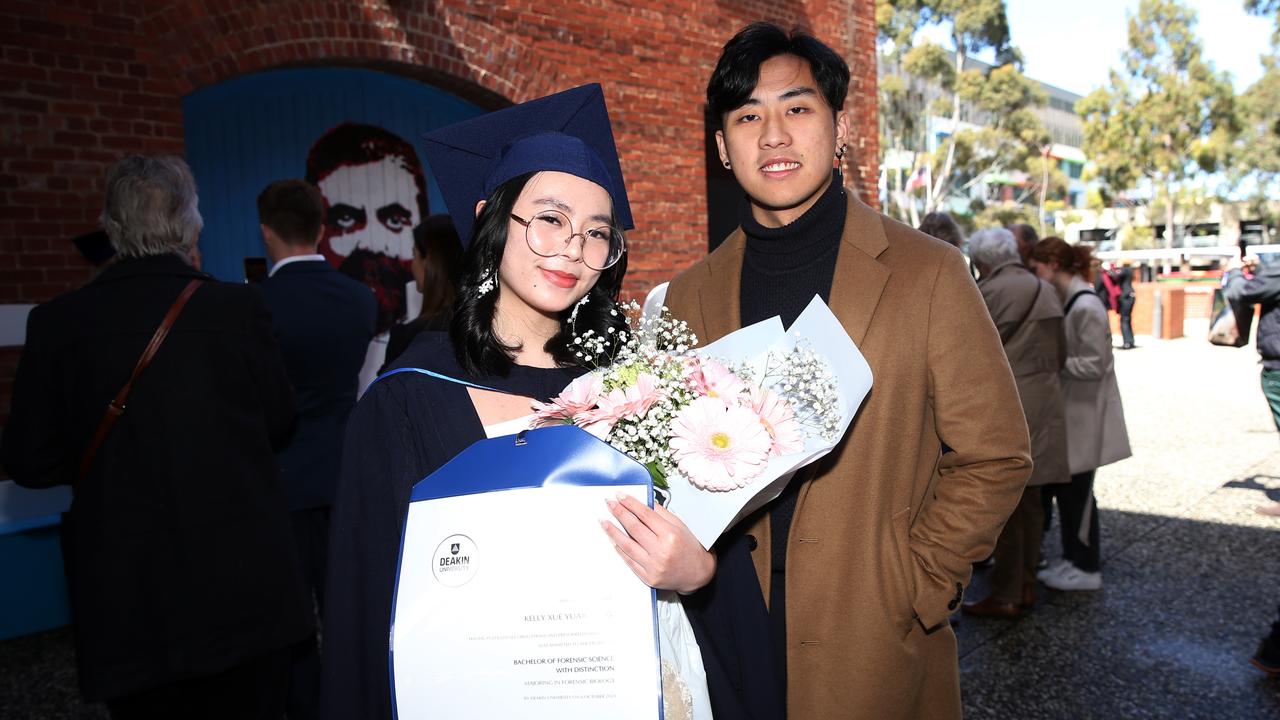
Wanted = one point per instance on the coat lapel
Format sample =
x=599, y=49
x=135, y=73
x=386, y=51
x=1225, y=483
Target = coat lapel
x=859, y=278
x=719, y=298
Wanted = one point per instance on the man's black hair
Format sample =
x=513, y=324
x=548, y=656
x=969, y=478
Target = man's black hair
x=738, y=69
x=294, y=209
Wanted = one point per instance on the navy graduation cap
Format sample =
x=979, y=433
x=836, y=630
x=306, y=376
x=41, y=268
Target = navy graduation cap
x=568, y=132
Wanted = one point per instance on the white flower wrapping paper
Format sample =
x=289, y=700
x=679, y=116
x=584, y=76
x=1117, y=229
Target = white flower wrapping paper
x=709, y=513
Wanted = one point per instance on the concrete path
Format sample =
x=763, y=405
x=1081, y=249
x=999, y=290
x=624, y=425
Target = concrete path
x=1191, y=573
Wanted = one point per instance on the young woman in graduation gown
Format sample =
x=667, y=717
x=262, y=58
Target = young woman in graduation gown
x=545, y=260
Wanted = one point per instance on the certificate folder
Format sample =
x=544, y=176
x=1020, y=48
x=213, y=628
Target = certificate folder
x=510, y=600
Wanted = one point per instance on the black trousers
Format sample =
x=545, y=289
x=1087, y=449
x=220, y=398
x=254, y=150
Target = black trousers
x=1076, y=506
x=311, y=535
x=1126, y=319
x=253, y=690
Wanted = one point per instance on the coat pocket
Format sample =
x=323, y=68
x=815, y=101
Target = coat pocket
x=901, y=578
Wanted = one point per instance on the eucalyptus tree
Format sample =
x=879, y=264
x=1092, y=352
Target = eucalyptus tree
x=1259, y=157
x=1167, y=116
x=1005, y=134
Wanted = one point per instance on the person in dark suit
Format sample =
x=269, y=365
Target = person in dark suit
x=324, y=321
x=437, y=260
x=1124, y=304
x=185, y=590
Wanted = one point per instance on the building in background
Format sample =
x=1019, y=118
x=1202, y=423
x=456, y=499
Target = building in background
x=1057, y=115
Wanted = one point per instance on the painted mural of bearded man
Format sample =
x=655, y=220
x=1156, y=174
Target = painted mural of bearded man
x=376, y=194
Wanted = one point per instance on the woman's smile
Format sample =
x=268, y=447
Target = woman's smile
x=559, y=279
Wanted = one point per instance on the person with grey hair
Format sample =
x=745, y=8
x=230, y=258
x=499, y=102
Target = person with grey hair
x=1028, y=315
x=184, y=583
x=993, y=248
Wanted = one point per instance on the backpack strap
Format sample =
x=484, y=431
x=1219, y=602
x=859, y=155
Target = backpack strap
x=1007, y=335
x=1075, y=297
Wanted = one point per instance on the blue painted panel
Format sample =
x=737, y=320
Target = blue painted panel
x=33, y=596
x=247, y=132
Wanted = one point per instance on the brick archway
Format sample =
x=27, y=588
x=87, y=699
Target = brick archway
x=208, y=42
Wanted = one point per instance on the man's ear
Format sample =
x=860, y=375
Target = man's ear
x=724, y=154
x=480, y=206
x=319, y=236
x=842, y=131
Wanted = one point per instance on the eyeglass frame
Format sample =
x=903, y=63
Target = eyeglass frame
x=622, y=240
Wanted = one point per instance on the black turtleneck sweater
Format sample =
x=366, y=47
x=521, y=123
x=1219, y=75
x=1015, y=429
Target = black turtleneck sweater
x=782, y=269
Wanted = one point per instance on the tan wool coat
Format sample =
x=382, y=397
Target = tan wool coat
x=885, y=532
x=1028, y=312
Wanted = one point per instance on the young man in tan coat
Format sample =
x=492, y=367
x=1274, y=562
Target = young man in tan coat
x=867, y=553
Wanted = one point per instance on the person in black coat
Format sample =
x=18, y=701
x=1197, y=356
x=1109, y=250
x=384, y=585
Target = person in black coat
x=1124, y=304
x=324, y=321
x=184, y=582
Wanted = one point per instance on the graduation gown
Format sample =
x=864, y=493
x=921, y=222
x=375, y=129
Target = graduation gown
x=404, y=428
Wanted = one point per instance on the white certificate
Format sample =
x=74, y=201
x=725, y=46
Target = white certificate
x=513, y=603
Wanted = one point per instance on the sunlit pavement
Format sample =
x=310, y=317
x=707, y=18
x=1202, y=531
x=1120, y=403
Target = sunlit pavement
x=1191, y=573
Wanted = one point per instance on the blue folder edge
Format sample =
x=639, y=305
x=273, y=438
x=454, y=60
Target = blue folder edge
x=478, y=469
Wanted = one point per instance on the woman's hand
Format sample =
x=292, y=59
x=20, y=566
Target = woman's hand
x=658, y=547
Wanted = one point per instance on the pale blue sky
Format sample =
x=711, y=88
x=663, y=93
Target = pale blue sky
x=1072, y=43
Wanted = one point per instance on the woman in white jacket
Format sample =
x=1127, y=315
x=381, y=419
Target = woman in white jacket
x=1096, y=433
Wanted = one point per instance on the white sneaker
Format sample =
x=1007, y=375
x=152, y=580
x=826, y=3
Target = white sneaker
x=1055, y=568
x=1073, y=578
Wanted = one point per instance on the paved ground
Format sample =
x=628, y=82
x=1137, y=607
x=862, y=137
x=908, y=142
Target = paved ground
x=1192, y=574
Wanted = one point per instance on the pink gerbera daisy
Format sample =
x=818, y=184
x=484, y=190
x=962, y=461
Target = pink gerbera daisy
x=581, y=395
x=719, y=446
x=632, y=401
x=713, y=379
x=779, y=419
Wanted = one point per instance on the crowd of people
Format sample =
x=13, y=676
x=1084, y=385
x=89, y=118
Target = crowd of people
x=1056, y=334
x=232, y=545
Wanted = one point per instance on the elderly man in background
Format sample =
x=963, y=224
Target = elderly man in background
x=184, y=582
x=1028, y=315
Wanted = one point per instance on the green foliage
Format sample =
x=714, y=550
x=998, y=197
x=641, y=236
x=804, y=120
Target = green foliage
x=1005, y=214
x=1096, y=199
x=1132, y=237
x=1004, y=94
x=1259, y=156
x=1168, y=116
x=930, y=60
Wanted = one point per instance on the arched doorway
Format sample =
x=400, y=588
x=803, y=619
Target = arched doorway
x=354, y=133
x=246, y=132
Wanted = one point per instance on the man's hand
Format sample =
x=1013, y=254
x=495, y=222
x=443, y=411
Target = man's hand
x=658, y=546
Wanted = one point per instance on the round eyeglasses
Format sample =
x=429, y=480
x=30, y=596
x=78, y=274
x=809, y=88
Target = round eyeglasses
x=550, y=231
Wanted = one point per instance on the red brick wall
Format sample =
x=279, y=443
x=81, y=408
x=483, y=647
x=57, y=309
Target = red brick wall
x=83, y=82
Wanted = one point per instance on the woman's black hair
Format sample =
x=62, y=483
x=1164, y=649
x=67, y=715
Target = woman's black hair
x=479, y=350
x=436, y=242
x=738, y=69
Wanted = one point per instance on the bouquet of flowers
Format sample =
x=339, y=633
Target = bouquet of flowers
x=708, y=423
